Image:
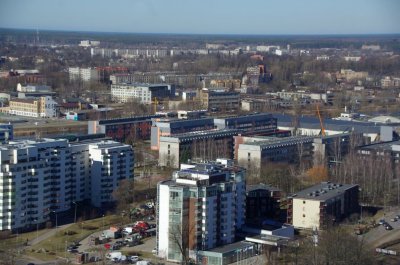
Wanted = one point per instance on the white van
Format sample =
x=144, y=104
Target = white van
x=114, y=255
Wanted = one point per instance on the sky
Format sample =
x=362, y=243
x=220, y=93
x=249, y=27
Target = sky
x=205, y=16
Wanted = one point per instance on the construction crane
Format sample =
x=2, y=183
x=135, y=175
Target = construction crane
x=320, y=121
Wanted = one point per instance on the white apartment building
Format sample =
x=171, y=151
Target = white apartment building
x=38, y=178
x=145, y=93
x=110, y=162
x=83, y=74
x=204, y=204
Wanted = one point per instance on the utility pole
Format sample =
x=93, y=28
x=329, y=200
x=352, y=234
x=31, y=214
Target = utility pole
x=75, y=212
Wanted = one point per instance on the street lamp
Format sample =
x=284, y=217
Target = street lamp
x=75, y=211
x=102, y=219
x=56, y=219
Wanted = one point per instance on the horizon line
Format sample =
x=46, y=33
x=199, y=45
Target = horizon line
x=203, y=34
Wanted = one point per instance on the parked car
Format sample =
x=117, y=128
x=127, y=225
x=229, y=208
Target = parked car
x=113, y=255
x=382, y=221
x=388, y=227
x=133, y=258
x=393, y=219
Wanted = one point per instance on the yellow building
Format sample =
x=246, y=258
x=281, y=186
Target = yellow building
x=43, y=107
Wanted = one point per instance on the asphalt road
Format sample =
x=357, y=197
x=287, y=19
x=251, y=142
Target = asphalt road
x=379, y=235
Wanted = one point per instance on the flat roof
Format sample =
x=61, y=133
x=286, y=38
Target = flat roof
x=231, y=247
x=208, y=133
x=261, y=186
x=273, y=142
x=381, y=146
x=323, y=191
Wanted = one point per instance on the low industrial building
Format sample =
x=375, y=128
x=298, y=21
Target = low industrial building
x=235, y=253
x=322, y=205
x=309, y=125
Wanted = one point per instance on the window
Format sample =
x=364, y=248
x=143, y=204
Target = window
x=304, y=202
x=304, y=215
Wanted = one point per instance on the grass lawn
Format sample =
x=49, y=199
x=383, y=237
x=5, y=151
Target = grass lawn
x=18, y=240
x=56, y=245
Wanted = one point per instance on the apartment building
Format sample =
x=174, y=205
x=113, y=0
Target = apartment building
x=262, y=203
x=122, y=78
x=202, y=145
x=390, y=82
x=42, y=177
x=145, y=93
x=42, y=107
x=257, y=151
x=168, y=127
x=122, y=129
x=219, y=99
x=203, y=206
x=384, y=151
x=322, y=204
x=252, y=124
x=350, y=75
x=83, y=74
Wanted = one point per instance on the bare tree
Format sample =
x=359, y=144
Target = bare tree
x=124, y=194
x=180, y=234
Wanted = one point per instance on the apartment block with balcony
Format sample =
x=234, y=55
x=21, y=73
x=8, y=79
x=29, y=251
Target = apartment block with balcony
x=203, y=205
x=38, y=177
x=83, y=74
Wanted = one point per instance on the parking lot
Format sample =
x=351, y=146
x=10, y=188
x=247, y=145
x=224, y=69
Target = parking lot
x=380, y=234
x=131, y=243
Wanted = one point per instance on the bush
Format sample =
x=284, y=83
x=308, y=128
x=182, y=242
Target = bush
x=69, y=233
x=90, y=227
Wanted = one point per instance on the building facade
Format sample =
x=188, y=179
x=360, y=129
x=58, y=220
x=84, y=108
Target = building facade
x=43, y=107
x=123, y=129
x=202, y=207
x=145, y=93
x=252, y=124
x=257, y=151
x=46, y=176
x=219, y=99
x=168, y=127
x=201, y=145
x=83, y=74
x=322, y=205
